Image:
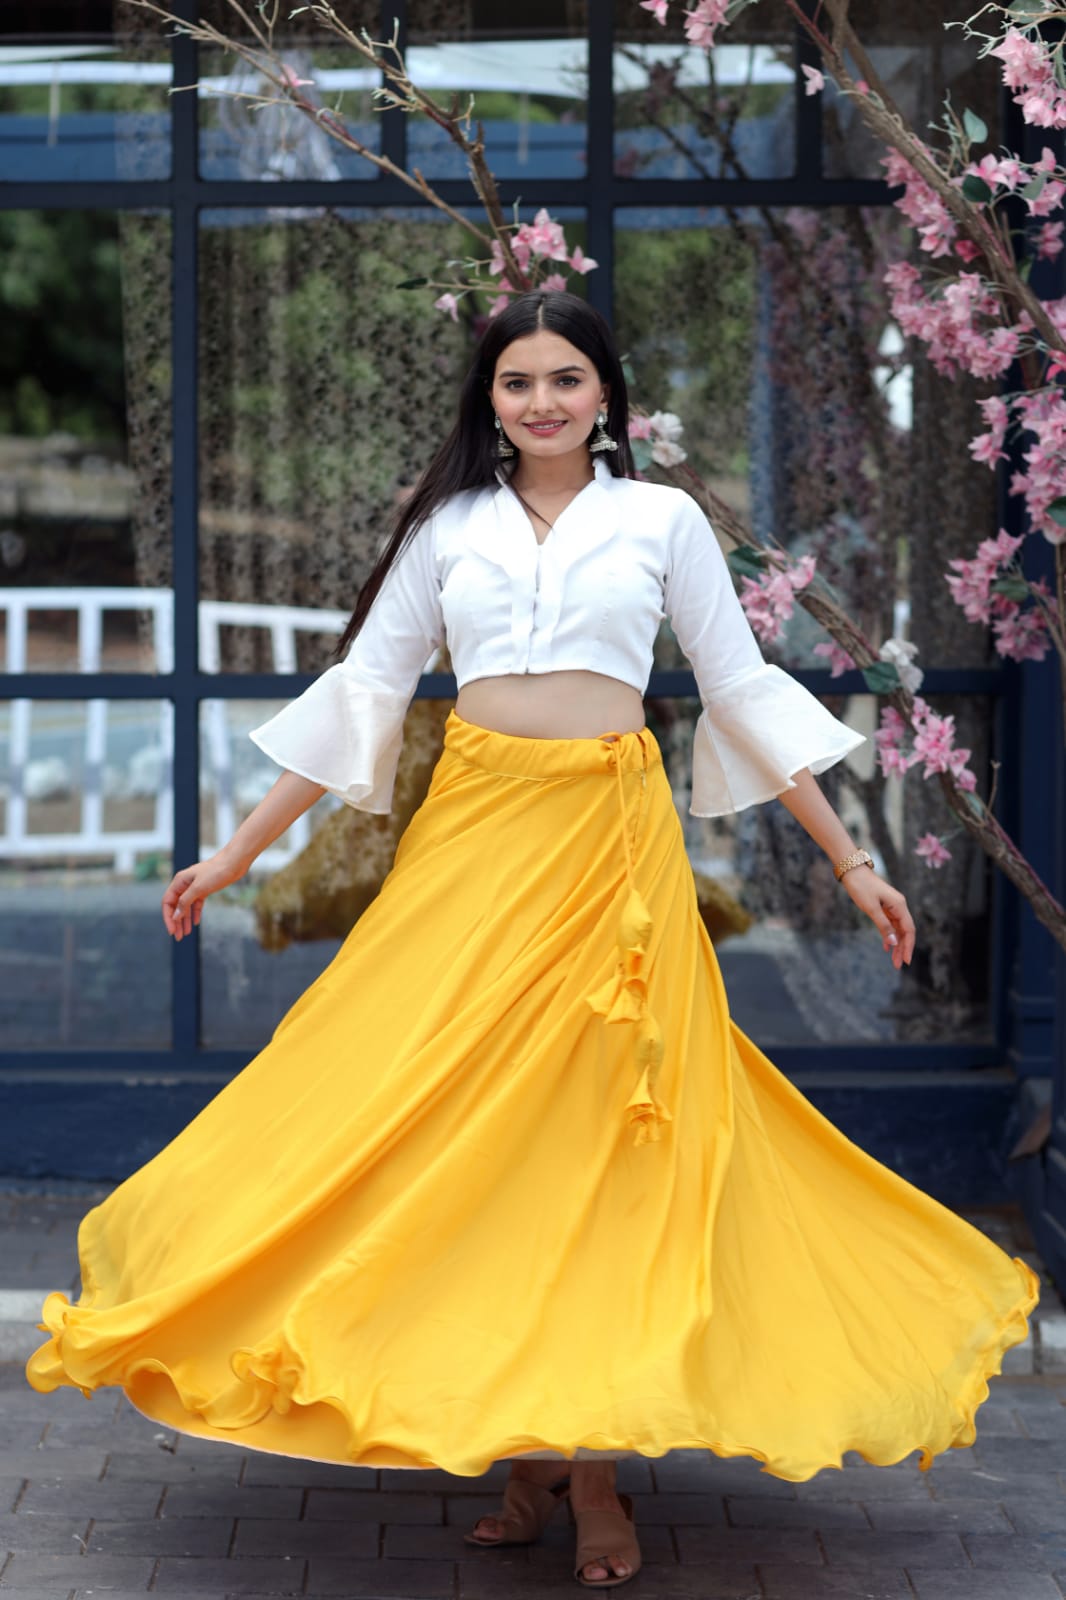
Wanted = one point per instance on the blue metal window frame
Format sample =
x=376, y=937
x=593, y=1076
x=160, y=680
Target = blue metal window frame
x=601, y=194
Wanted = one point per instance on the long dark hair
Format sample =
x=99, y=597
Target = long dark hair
x=468, y=457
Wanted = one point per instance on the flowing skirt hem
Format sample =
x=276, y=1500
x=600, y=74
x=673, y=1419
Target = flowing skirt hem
x=269, y=1377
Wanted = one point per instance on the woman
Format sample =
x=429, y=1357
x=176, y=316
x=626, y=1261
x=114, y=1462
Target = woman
x=507, y=1182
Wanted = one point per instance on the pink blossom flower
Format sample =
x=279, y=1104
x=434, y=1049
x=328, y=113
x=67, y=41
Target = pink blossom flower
x=998, y=173
x=1049, y=240
x=554, y=280
x=801, y=574
x=839, y=659
x=582, y=263
x=1029, y=70
x=498, y=304
x=545, y=237
x=932, y=851
x=448, y=303
x=933, y=743
x=861, y=86
x=768, y=601
x=1049, y=198
x=639, y=427
x=656, y=7
x=1021, y=635
x=966, y=250
x=700, y=25
x=815, y=80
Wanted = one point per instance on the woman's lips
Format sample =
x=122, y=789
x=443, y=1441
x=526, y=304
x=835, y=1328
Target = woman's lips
x=545, y=429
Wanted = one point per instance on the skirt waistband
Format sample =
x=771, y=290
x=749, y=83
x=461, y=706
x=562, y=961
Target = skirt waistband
x=513, y=755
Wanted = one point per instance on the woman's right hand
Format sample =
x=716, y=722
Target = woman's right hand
x=188, y=889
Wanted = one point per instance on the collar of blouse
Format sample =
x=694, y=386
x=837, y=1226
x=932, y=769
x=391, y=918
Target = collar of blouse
x=499, y=528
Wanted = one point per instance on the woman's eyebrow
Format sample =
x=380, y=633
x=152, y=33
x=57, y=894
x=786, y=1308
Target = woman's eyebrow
x=573, y=367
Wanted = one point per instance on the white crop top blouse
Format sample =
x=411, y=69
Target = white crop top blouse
x=621, y=556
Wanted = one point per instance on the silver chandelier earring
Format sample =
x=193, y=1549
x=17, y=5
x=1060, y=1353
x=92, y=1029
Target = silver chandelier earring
x=601, y=439
x=504, y=447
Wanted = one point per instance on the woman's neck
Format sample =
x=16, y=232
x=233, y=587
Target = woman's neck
x=554, y=474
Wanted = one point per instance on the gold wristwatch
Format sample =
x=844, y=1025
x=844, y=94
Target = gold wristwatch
x=857, y=858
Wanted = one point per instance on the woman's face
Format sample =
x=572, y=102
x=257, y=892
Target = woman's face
x=546, y=394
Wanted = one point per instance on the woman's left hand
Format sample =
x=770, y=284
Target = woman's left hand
x=886, y=909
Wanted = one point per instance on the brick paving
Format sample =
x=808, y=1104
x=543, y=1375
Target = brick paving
x=96, y=1500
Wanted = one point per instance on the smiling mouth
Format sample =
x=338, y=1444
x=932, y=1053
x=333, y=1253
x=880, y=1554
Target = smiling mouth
x=544, y=427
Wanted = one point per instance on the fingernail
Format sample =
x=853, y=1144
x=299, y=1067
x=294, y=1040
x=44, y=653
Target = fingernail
x=892, y=939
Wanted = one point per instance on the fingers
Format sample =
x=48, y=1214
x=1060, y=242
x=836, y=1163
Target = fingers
x=182, y=906
x=898, y=931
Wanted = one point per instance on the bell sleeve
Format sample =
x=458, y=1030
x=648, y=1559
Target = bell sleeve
x=758, y=726
x=345, y=731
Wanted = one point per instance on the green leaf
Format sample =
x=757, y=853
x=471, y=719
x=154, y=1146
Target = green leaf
x=641, y=454
x=1027, y=8
x=1013, y=588
x=746, y=561
x=1057, y=511
x=976, y=128
x=976, y=189
x=412, y=283
x=881, y=678
x=1031, y=190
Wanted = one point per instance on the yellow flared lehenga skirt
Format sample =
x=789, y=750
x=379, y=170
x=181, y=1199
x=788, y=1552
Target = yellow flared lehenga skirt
x=506, y=1179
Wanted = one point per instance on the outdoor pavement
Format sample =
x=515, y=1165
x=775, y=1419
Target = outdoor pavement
x=98, y=1500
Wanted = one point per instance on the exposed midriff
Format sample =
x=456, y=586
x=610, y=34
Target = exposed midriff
x=552, y=705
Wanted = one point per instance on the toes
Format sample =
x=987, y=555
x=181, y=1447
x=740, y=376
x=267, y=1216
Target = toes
x=596, y=1569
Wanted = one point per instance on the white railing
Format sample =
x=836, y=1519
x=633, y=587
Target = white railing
x=282, y=623
x=90, y=838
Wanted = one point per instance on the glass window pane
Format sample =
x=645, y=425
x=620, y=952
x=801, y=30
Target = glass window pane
x=84, y=102
x=324, y=390
x=85, y=569
x=85, y=854
x=265, y=939
x=684, y=112
x=830, y=455
x=921, y=63
x=802, y=965
x=275, y=142
x=527, y=71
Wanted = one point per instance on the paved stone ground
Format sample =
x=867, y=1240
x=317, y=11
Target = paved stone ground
x=97, y=1500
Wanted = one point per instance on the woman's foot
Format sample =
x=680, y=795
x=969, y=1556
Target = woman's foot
x=544, y=1473
x=592, y=1489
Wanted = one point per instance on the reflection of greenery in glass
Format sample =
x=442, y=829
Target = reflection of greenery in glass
x=61, y=365
x=498, y=105
x=701, y=104
x=684, y=314
x=34, y=99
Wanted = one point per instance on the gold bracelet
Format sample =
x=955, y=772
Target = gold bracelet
x=857, y=858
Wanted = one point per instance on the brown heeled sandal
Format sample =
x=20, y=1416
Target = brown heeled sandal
x=527, y=1510
x=601, y=1534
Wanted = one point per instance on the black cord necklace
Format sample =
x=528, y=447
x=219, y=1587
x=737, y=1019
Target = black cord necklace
x=538, y=514
x=533, y=511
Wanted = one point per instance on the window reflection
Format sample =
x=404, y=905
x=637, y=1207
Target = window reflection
x=92, y=111
x=85, y=853
x=801, y=964
x=85, y=566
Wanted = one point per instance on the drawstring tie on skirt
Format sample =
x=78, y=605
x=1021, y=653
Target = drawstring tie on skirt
x=624, y=997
